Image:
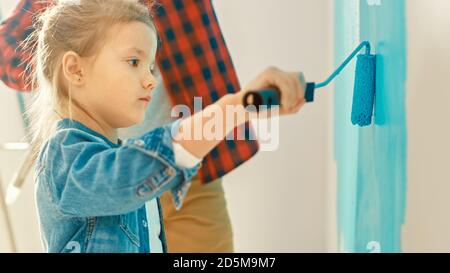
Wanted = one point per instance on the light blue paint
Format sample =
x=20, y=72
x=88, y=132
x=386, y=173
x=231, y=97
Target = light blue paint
x=371, y=161
x=346, y=135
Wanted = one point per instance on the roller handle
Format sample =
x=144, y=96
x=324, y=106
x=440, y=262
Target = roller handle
x=271, y=96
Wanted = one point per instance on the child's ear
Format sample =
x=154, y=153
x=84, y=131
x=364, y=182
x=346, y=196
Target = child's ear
x=72, y=68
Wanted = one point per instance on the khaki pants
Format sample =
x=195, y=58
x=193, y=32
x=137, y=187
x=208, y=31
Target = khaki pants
x=202, y=224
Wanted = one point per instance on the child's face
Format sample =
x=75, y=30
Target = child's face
x=120, y=80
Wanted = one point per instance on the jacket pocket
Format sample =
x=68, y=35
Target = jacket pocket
x=129, y=225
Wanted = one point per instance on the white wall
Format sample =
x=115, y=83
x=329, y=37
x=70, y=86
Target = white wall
x=428, y=110
x=278, y=200
x=23, y=211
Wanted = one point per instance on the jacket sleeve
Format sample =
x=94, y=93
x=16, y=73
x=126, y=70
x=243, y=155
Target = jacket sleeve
x=89, y=178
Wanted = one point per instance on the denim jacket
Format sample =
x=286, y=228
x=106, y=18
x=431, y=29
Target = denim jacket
x=91, y=193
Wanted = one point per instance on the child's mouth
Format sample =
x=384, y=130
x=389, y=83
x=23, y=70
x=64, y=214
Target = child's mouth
x=146, y=99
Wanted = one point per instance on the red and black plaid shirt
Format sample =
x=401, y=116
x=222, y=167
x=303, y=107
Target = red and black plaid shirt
x=193, y=58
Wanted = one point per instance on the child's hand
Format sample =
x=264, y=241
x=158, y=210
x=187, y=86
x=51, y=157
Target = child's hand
x=290, y=84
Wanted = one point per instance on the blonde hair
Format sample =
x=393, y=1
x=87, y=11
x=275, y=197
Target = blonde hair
x=69, y=25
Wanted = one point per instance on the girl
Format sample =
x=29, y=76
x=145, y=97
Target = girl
x=94, y=74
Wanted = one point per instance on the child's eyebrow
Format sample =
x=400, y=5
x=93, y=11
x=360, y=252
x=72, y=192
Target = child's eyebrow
x=138, y=51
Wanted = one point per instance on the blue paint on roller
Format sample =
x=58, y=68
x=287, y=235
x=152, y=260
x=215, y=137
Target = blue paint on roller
x=364, y=90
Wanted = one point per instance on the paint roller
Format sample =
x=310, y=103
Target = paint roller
x=363, y=92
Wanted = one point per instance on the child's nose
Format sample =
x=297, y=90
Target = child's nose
x=149, y=81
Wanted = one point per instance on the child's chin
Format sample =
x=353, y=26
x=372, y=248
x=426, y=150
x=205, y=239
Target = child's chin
x=139, y=119
x=131, y=121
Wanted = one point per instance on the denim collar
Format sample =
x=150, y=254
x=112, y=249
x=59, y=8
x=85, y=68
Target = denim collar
x=71, y=123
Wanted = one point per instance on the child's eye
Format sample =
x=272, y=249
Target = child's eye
x=134, y=62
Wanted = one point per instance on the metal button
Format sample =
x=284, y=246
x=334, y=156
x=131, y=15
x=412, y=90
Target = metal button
x=170, y=172
x=139, y=142
x=144, y=223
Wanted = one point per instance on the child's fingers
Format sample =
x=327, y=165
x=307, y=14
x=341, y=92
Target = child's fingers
x=298, y=105
x=290, y=85
x=301, y=84
x=296, y=93
x=284, y=83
